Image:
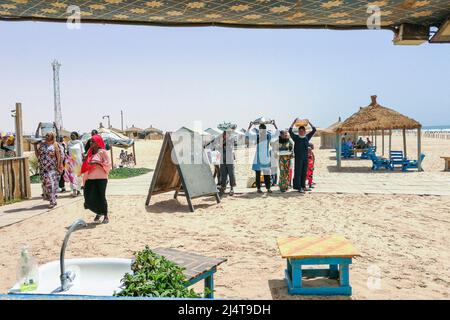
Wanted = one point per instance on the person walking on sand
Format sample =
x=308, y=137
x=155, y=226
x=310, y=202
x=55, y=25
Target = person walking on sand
x=301, y=144
x=262, y=160
x=225, y=145
x=49, y=156
x=74, y=161
x=96, y=168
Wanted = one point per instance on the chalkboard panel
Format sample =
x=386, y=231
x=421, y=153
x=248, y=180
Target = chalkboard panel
x=183, y=165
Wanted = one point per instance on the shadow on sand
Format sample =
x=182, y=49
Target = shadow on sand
x=177, y=206
x=278, y=290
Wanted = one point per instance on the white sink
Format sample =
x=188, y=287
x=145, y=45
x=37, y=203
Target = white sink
x=93, y=277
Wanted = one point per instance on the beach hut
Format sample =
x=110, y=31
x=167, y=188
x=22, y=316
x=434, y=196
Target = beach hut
x=133, y=132
x=328, y=136
x=376, y=118
x=152, y=133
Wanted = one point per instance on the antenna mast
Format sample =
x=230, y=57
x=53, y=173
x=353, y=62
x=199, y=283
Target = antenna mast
x=56, y=94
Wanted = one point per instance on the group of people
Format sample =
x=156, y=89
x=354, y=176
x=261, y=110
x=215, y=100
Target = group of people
x=83, y=166
x=360, y=144
x=273, y=158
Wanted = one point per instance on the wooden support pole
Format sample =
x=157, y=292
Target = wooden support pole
x=112, y=154
x=19, y=131
x=376, y=140
x=390, y=141
x=419, y=149
x=338, y=150
x=404, y=143
x=382, y=141
x=134, y=152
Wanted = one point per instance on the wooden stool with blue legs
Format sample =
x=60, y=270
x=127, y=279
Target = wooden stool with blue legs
x=334, y=251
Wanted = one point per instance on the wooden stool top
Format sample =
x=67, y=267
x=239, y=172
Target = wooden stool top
x=333, y=246
x=195, y=264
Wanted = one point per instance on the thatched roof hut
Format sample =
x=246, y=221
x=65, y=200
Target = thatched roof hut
x=133, y=132
x=153, y=133
x=328, y=136
x=375, y=117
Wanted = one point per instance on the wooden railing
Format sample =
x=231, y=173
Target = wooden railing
x=14, y=179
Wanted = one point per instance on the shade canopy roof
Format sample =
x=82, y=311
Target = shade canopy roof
x=116, y=139
x=133, y=129
x=332, y=128
x=376, y=117
x=345, y=14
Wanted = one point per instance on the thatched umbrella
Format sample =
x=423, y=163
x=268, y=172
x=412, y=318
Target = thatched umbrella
x=375, y=118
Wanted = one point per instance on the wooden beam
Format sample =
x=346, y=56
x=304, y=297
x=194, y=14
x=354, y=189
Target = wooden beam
x=404, y=143
x=134, y=152
x=19, y=130
x=382, y=141
x=390, y=141
x=419, y=149
x=338, y=151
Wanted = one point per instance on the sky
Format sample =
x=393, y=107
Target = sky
x=171, y=77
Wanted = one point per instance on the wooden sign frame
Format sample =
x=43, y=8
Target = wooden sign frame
x=174, y=180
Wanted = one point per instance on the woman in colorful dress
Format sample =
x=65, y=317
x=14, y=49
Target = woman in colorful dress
x=285, y=155
x=74, y=161
x=96, y=168
x=49, y=157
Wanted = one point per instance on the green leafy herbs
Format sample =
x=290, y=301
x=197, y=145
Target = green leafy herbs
x=124, y=173
x=155, y=276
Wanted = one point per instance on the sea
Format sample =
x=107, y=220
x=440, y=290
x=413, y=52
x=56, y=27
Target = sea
x=436, y=128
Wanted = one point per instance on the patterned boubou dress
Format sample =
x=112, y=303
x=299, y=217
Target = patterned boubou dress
x=286, y=147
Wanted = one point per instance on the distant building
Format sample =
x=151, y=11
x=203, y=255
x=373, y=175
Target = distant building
x=152, y=133
x=133, y=132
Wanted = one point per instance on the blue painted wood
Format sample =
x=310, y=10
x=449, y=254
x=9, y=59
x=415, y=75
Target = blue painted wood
x=412, y=164
x=209, y=285
x=338, y=269
x=344, y=276
x=296, y=276
x=208, y=277
x=318, y=261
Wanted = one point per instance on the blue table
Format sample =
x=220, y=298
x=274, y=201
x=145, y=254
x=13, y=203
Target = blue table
x=335, y=252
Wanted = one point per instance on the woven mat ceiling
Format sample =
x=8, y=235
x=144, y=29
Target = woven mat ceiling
x=240, y=13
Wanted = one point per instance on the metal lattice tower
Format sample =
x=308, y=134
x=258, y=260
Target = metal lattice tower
x=56, y=94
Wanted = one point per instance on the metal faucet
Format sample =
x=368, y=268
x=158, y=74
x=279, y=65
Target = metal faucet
x=67, y=277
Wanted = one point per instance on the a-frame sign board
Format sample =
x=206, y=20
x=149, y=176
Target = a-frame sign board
x=172, y=174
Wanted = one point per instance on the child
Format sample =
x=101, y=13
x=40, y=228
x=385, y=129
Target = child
x=310, y=170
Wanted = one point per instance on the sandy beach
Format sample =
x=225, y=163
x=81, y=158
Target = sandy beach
x=403, y=239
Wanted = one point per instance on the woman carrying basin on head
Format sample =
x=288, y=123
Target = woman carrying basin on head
x=96, y=168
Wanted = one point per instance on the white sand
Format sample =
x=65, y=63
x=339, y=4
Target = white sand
x=406, y=237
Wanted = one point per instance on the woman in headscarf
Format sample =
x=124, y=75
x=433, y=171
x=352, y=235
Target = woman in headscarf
x=74, y=161
x=96, y=168
x=285, y=155
x=49, y=157
x=301, y=144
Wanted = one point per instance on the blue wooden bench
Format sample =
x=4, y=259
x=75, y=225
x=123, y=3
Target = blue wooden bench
x=370, y=150
x=397, y=159
x=334, y=251
x=196, y=267
x=346, y=152
x=379, y=162
x=412, y=164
